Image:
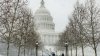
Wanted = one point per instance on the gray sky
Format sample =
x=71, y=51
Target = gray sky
x=59, y=9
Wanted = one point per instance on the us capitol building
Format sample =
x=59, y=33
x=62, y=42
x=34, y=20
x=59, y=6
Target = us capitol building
x=46, y=28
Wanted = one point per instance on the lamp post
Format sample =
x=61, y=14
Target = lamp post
x=66, y=45
x=37, y=48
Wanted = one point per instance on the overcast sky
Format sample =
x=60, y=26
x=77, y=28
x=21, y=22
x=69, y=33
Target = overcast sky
x=60, y=10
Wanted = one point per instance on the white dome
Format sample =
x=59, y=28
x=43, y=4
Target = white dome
x=42, y=10
x=43, y=19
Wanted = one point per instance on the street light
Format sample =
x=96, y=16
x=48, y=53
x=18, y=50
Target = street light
x=37, y=48
x=66, y=45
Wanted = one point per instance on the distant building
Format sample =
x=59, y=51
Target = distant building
x=46, y=28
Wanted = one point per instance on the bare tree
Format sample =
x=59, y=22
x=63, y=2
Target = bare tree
x=92, y=24
x=8, y=18
x=70, y=35
x=74, y=34
x=79, y=18
x=29, y=35
x=16, y=25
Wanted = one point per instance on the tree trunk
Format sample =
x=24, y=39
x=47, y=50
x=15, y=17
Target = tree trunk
x=31, y=52
x=95, y=50
x=36, y=50
x=19, y=51
x=24, y=51
x=82, y=50
x=71, y=51
x=8, y=48
x=76, y=50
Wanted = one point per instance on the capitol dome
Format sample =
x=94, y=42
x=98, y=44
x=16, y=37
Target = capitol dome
x=43, y=19
x=42, y=10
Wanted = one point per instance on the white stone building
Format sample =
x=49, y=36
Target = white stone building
x=46, y=28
